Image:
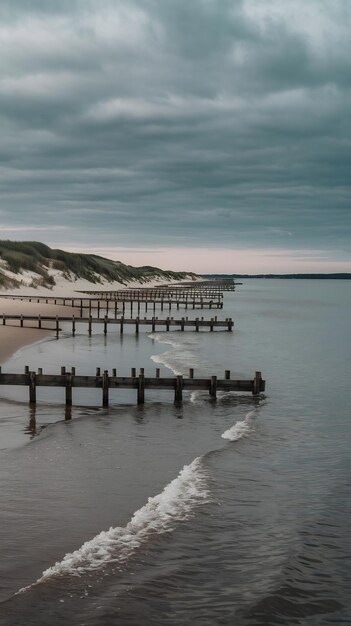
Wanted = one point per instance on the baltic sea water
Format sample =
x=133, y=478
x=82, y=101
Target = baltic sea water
x=100, y=523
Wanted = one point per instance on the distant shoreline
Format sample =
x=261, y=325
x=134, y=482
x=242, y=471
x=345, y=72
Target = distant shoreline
x=334, y=276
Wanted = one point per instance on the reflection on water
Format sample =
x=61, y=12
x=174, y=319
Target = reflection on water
x=271, y=545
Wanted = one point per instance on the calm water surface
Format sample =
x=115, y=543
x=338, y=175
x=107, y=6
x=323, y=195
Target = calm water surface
x=227, y=512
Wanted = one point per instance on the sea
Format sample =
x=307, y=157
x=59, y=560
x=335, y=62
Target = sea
x=233, y=511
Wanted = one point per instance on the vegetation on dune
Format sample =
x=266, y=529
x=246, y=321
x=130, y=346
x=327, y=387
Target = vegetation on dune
x=36, y=257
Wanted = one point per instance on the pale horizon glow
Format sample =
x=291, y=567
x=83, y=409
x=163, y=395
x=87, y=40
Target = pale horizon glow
x=219, y=261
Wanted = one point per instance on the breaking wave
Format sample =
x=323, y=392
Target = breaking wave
x=159, y=515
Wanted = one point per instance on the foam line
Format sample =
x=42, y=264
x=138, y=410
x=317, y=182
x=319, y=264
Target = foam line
x=159, y=515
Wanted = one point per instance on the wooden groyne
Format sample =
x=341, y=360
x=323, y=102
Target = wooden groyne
x=106, y=381
x=154, y=323
x=109, y=304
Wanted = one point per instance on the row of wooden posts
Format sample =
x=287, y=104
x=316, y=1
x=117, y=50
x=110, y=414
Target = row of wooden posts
x=154, y=323
x=115, y=306
x=105, y=382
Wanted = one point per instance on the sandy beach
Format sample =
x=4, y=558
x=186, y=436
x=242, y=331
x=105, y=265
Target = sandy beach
x=13, y=337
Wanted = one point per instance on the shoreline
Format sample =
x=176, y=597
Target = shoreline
x=13, y=338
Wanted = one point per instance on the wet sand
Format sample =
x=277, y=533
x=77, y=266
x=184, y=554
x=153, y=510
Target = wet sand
x=12, y=336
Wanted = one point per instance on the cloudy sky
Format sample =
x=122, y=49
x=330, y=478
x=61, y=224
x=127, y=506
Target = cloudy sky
x=211, y=135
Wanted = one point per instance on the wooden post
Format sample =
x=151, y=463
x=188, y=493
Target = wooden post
x=230, y=324
x=137, y=325
x=213, y=388
x=133, y=372
x=211, y=324
x=157, y=372
x=57, y=327
x=227, y=374
x=115, y=309
x=121, y=324
x=21, y=321
x=153, y=324
x=89, y=307
x=178, y=390
x=4, y=319
x=105, y=324
x=123, y=308
x=182, y=324
x=197, y=324
x=32, y=388
x=39, y=321
x=191, y=372
x=141, y=389
x=98, y=372
x=81, y=308
x=68, y=389
x=167, y=323
x=105, y=388
x=257, y=384
x=98, y=308
x=90, y=321
x=114, y=372
x=73, y=326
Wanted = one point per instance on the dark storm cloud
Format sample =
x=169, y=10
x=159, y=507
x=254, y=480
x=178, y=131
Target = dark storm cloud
x=177, y=122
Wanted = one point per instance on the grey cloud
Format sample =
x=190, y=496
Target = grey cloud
x=205, y=122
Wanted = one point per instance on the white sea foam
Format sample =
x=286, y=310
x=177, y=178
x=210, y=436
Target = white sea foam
x=179, y=359
x=159, y=515
x=242, y=428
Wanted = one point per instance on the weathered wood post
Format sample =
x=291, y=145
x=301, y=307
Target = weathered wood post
x=81, y=308
x=121, y=324
x=137, y=326
x=182, y=324
x=105, y=388
x=141, y=389
x=89, y=307
x=90, y=323
x=57, y=327
x=230, y=324
x=178, y=389
x=68, y=385
x=133, y=372
x=167, y=323
x=153, y=324
x=105, y=324
x=227, y=374
x=114, y=372
x=213, y=387
x=98, y=372
x=211, y=324
x=21, y=321
x=257, y=384
x=39, y=321
x=197, y=325
x=157, y=372
x=32, y=388
x=191, y=372
x=4, y=319
x=115, y=309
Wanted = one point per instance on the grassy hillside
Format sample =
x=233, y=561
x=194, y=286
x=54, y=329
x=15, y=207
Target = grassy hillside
x=20, y=256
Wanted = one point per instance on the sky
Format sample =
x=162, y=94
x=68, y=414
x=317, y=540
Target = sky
x=204, y=135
